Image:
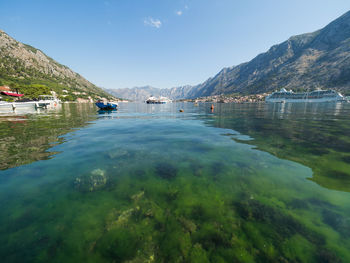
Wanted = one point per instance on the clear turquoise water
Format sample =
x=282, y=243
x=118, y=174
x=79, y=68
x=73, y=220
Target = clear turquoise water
x=245, y=183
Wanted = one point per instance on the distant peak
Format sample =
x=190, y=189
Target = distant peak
x=345, y=16
x=343, y=20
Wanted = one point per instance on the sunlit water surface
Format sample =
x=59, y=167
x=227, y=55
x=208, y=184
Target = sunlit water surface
x=147, y=183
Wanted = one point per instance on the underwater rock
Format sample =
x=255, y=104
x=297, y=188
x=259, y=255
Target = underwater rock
x=94, y=181
x=98, y=172
x=137, y=197
x=125, y=215
x=148, y=213
x=120, y=218
x=166, y=171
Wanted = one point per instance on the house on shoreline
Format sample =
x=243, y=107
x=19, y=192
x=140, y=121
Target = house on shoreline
x=6, y=90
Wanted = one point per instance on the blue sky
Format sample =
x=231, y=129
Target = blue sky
x=162, y=43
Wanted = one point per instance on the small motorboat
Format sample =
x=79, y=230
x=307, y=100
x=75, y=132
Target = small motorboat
x=105, y=105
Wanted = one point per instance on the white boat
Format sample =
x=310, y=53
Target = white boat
x=5, y=106
x=11, y=106
x=314, y=96
x=160, y=100
x=45, y=101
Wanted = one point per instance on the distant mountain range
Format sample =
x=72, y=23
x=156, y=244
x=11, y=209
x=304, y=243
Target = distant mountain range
x=142, y=93
x=305, y=62
x=25, y=65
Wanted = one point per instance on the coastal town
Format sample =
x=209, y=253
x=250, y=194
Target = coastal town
x=235, y=98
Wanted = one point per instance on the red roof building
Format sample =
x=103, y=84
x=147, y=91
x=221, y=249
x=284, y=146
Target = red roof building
x=12, y=94
x=4, y=88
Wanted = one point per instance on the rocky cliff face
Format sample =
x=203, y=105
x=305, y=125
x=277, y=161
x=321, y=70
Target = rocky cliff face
x=26, y=64
x=314, y=60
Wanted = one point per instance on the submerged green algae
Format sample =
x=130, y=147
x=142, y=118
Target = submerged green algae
x=206, y=198
x=313, y=134
x=27, y=138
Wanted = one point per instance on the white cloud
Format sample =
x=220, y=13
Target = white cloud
x=152, y=22
x=181, y=12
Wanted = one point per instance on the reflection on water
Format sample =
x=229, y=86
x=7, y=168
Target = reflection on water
x=150, y=184
x=313, y=134
x=25, y=138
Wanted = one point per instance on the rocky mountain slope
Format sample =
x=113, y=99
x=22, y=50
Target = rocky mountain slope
x=314, y=60
x=319, y=59
x=25, y=65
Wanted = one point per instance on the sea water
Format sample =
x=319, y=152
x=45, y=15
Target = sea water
x=148, y=183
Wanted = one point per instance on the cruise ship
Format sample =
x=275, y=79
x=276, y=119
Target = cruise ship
x=160, y=100
x=314, y=96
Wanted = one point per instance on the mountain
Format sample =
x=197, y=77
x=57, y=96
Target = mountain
x=314, y=60
x=308, y=61
x=142, y=93
x=25, y=65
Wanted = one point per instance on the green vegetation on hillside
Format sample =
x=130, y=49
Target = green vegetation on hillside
x=33, y=81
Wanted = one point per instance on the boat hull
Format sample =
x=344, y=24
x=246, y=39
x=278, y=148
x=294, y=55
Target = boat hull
x=106, y=106
x=10, y=106
x=155, y=102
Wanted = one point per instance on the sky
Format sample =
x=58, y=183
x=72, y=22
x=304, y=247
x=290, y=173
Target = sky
x=162, y=43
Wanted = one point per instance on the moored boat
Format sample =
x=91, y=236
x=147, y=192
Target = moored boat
x=47, y=101
x=105, y=105
x=44, y=101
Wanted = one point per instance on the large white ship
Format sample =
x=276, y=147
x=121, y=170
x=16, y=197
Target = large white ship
x=314, y=96
x=160, y=100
